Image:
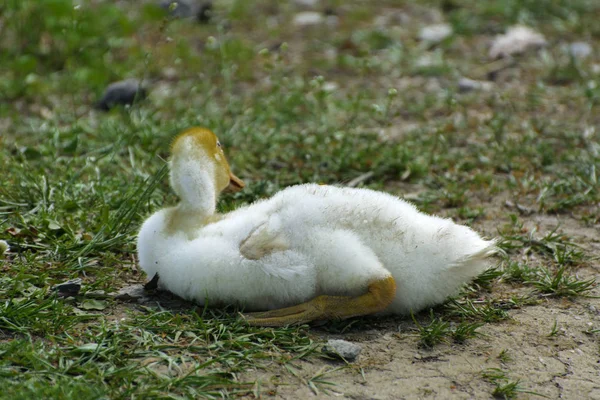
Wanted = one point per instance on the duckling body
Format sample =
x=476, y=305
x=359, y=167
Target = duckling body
x=333, y=245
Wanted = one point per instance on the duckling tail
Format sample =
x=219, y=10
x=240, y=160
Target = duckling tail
x=472, y=264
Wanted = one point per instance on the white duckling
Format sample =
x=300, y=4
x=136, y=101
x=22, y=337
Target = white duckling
x=308, y=253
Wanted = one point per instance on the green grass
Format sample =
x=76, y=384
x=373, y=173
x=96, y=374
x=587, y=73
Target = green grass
x=504, y=356
x=466, y=330
x=468, y=310
x=290, y=106
x=555, y=329
x=504, y=387
x=158, y=353
x=433, y=333
x=559, y=284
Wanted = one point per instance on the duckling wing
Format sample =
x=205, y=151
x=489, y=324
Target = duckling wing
x=262, y=241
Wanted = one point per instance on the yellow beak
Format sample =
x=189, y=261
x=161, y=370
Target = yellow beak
x=235, y=183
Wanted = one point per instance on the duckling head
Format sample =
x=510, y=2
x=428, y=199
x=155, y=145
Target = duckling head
x=199, y=171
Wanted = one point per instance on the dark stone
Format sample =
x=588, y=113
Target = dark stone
x=121, y=93
x=449, y=5
x=205, y=12
x=69, y=288
x=329, y=11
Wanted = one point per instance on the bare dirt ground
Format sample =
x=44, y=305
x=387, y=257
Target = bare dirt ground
x=565, y=365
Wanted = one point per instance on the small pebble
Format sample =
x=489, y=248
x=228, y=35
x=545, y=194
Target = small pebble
x=69, y=288
x=580, y=49
x=4, y=247
x=169, y=73
x=426, y=60
x=95, y=294
x=467, y=85
x=121, y=93
x=517, y=39
x=306, y=3
x=179, y=8
x=340, y=348
x=308, y=18
x=329, y=87
x=435, y=33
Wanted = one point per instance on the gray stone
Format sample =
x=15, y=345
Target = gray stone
x=121, y=93
x=131, y=293
x=179, y=8
x=340, y=348
x=580, y=49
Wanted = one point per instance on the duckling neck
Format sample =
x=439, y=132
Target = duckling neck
x=197, y=206
x=195, y=186
x=187, y=221
x=204, y=207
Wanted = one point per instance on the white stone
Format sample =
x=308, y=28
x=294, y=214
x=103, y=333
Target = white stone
x=307, y=18
x=467, y=85
x=517, y=39
x=426, y=60
x=329, y=87
x=435, y=33
x=169, y=73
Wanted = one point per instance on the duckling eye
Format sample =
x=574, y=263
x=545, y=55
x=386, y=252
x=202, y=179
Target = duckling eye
x=218, y=144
